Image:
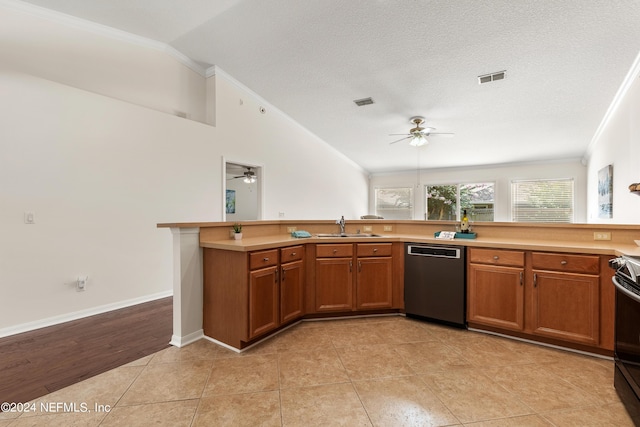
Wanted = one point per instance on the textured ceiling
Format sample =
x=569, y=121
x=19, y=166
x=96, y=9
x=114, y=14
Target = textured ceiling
x=565, y=60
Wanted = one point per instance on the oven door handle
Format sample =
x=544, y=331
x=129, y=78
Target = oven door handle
x=625, y=290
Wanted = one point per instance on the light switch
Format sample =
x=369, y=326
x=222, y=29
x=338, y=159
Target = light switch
x=29, y=217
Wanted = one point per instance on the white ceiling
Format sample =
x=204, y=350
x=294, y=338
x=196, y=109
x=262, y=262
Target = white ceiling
x=565, y=60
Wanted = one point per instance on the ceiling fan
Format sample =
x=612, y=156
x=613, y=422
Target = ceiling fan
x=249, y=176
x=418, y=135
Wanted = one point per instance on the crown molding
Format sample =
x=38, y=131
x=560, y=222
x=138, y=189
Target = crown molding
x=102, y=30
x=634, y=72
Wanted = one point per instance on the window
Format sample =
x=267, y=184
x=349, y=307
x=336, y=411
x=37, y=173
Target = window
x=442, y=202
x=542, y=200
x=394, y=203
x=445, y=202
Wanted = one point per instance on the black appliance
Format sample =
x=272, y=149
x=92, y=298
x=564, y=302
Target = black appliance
x=627, y=331
x=434, y=283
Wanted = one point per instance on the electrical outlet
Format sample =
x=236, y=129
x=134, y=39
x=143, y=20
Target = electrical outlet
x=367, y=228
x=281, y=214
x=291, y=229
x=388, y=228
x=601, y=235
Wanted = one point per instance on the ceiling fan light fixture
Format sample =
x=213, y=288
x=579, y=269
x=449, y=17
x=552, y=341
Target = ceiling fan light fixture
x=418, y=141
x=249, y=176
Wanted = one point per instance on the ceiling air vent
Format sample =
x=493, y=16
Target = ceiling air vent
x=486, y=78
x=363, y=101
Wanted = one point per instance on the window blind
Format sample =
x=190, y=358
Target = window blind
x=542, y=200
x=394, y=203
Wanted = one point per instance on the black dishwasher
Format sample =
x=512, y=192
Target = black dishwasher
x=435, y=283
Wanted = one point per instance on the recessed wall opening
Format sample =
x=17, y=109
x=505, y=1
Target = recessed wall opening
x=242, y=191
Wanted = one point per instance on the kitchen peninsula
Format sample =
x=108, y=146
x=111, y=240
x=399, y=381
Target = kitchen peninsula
x=309, y=297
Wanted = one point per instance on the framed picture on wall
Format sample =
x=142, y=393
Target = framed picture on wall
x=230, y=202
x=605, y=192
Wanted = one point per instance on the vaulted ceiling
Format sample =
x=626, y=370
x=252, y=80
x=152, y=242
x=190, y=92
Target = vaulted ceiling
x=564, y=62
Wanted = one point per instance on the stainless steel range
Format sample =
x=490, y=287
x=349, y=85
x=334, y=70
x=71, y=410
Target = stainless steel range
x=627, y=331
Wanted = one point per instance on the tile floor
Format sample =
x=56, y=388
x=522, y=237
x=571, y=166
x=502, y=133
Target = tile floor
x=381, y=371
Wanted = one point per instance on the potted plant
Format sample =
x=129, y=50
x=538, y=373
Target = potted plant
x=237, y=231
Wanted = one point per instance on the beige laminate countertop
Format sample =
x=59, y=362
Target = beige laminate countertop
x=591, y=247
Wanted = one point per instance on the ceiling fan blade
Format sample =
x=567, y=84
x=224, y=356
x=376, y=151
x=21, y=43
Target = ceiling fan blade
x=439, y=133
x=402, y=139
x=399, y=134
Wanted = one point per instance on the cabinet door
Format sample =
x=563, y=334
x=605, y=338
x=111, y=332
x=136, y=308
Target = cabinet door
x=263, y=301
x=334, y=284
x=496, y=296
x=566, y=306
x=374, y=283
x=291, y=296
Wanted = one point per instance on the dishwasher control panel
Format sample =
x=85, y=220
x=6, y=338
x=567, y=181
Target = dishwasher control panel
x=436, y=251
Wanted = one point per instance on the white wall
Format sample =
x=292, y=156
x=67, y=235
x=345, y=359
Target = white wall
x=619, y=145
x=304, y=178
x=99, y=59
x=100, y=169
x=99, y=175
x=501, y=175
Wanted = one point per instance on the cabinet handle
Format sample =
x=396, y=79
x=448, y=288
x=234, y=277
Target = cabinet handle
x=359, y=265
x=265, y=259
x=535, y=280
x=521, y=277
x=375, y=250
x=283, y=274
x=293, y=254
x=277, y=276
x=335, y=251
x=563, y=262
x=350, y=266
x=496, y=257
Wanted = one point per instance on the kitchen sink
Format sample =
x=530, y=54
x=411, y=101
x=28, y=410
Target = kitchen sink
x=348, y=235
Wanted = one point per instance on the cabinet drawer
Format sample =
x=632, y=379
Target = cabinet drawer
x=496, y=257
x=292, y=253
x=373, y=249
x=588, y=264
x=263, y=259
x=338, y=250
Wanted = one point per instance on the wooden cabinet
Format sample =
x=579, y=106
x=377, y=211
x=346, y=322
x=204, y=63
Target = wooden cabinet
x=374, y=279
x=347, y=280
x=247, y=295
x=263, y=292
x=350, y=277
x=334, y=277
x=291, y=283
x=557, y=297
x=263, y=301
x=496, y=288
x=566, y=297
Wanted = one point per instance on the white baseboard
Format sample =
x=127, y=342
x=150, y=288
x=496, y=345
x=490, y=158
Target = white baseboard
x=55, y=320
x=181, y=341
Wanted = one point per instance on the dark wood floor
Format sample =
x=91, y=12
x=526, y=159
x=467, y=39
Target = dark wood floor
x=39, y=362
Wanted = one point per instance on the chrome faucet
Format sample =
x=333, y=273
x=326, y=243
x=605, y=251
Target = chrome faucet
x=340, y=222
